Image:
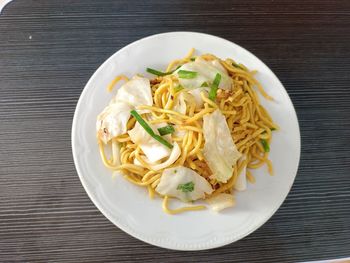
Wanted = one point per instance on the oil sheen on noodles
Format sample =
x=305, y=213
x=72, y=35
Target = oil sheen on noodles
x=250, y=125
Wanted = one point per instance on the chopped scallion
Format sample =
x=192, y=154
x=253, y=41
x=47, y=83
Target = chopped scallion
x=193, y=59
x=237, y=66
x=265, y=144
x=214, y=87
x=149, y=130
x=166, y=130
x=186, y=74
x=187, y=187
x=178, y=88
x=158, y=73
x=205, y=84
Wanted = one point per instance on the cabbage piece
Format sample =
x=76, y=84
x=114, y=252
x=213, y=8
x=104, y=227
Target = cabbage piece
x=179, y=133
x=241, y=181
x=112, y=121
x=135, y=92
x=174, y=155
x=196, y=93
x=206, y=72
x=219, y=151
x=221, y=201
x=153, y=149
x=180, y=105
x=183, y=183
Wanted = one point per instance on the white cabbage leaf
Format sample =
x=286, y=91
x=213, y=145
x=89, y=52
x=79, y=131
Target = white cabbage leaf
x=179, y=133
x=196, y=93
x=112, y=121
x=180, y=105
x=219, y=151
x=135, y=92
x=174, y=155
x=174, y=181
x=241, y=181
x=221, y=201
x=206, y=72
x=153, y=149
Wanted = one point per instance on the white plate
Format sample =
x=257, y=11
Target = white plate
x=128, y=206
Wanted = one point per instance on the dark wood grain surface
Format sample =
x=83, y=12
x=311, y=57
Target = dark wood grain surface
x=48, y=51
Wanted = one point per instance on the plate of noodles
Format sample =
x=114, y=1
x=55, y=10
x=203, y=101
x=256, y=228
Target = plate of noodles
x=186, y=141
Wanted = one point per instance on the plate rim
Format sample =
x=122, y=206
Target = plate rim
x=113, y=220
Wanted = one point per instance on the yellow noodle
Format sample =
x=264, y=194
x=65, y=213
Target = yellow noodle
x=180, y=210
x=115, y=81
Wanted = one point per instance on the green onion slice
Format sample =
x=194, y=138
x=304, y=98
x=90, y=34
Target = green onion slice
x=178, y=88
x=166, y=130
x=237, y=66
x=149, y=130
x=265, y=144
x=159, y=73
x=205, y=84
x=187, y=187
x=214, y=87
x=186, y=74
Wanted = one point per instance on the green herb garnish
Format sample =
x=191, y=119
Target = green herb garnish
x=159, y=73
x=214, y=87
x=265, y=144
x=178, y=88
x=186, y=188
x=186, y=74
x=193, y=59
x=205, y=84
x=149, y=130
x=237, y=66
x=166, y=130
x=273, y=129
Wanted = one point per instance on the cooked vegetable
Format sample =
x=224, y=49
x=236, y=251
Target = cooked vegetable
x=166, y=130
x=187, y=187
x=153, y=149
x=112, y=121
x=214, y=87
x=221, y=201
x=186, y=74
x=175, y=154
x=135, y=92
x=205, y=84
x=219, y=150
x=149, y=130
x=158, y=73
x=206, y=72
x=265, y=144
x=173, y=177
x=237, y=66
x=178, y=88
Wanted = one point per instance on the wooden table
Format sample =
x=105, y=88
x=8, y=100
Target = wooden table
x=48, y=51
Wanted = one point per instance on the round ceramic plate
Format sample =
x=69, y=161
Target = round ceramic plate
x=128, y=206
